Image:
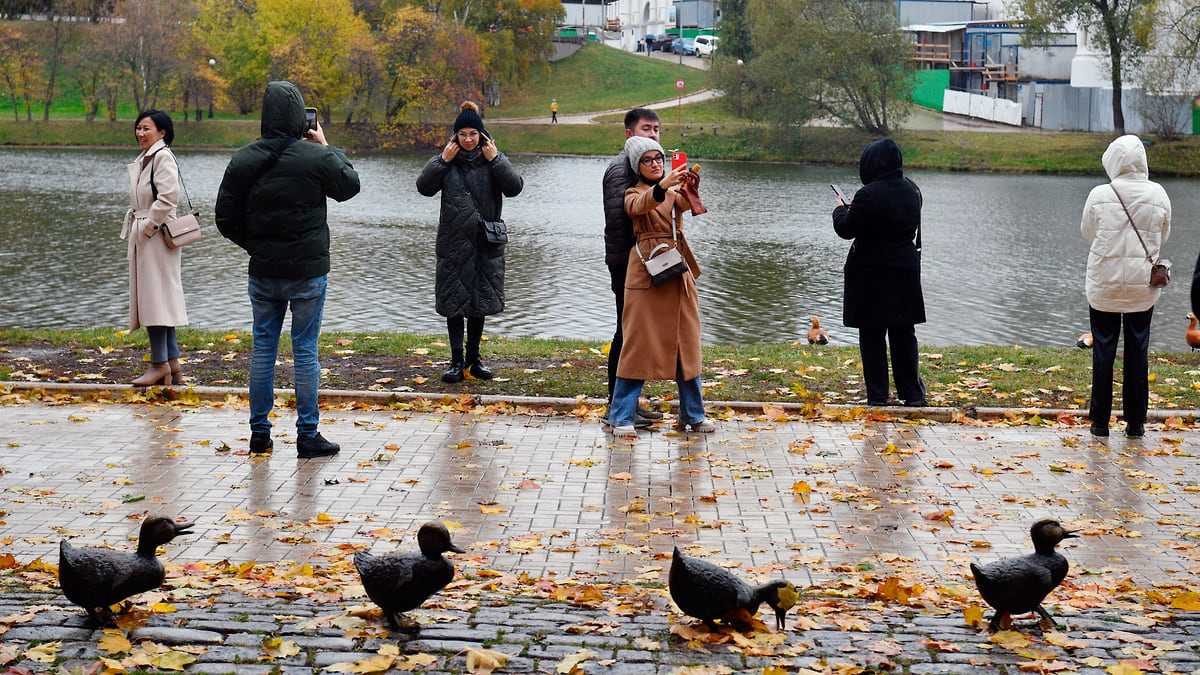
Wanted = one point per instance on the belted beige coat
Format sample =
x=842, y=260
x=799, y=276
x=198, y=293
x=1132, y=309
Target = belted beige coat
x=155, y=280
x=661, y=324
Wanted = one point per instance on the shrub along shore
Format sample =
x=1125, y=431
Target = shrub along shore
x=982, y=376
x=1005, y=152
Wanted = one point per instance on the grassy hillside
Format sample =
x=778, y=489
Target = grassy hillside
x=597, y=78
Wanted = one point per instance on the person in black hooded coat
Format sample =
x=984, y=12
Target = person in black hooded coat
x=473, y=177
x=883, y=272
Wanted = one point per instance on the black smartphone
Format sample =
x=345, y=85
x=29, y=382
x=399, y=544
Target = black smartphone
x=310, y=119
x=837, y=190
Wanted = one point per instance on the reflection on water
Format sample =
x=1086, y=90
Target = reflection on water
x=1003, y=263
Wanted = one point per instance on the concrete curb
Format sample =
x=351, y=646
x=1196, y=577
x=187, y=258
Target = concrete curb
x=561, y=404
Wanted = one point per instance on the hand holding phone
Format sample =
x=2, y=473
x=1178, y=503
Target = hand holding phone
x=837, y=190
x=310, y=119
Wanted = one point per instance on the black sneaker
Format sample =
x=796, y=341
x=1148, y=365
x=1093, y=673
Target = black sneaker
x=315, y=446
x=261, y=443
x=475, y=371
x=647, y=413
x=1098, y=430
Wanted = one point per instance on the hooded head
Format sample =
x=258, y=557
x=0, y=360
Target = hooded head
x=282, y=111
x=880, y=160
x=636, y=146
x=1126, y=156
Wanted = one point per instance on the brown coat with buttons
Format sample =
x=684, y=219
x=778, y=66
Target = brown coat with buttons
x=661, y=324
x=155, y=279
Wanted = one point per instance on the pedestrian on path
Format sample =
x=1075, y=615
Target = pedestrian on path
x=155, y=278
x=1126, y=222
x=272, y=203
x=473, y=177
x=554, y=111
x=661, y=321
x=618, y=239
x=883, y=272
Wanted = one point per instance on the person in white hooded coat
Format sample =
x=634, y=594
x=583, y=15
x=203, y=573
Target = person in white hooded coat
x=1118, y=278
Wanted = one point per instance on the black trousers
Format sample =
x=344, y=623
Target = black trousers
x=617, y=273
x=474, y=328
x=1106, y=330
x=873, y=347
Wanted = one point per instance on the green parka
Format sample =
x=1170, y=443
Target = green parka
x=279, y=217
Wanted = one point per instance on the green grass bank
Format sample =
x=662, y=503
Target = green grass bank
x=1004, y=376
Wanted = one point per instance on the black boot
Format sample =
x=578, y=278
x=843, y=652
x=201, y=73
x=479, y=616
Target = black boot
x=475, y=371
x=454, y=373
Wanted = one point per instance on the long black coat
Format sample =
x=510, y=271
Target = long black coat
x=470, y=272
x=883, y=268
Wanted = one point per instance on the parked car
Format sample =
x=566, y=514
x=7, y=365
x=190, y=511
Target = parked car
x=665, y=44
x=706, y=44
x=685, y=46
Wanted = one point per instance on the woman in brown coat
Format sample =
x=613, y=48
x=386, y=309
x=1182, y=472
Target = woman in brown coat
x=661, y=322
x=155, y=284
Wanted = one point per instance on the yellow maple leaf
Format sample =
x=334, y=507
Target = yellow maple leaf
x=114, y=642
x=1122, y=669
x=774, y=670
x=373, y=664
x=801, y=487
x=163, y=608
x=1063, y=640
x=485, y=660
x=570, y=664
x=484, y=508
x=172, y=660
x=1010, y=639
x=1188, y=601
x=788, y=595
x=43, y=653
x=238, y=514
x=278, y=648
x=973, y=615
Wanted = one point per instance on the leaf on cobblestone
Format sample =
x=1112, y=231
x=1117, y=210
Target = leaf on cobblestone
x=1063, y=640
x=570, y=664
x=647, y=644
x=886, y=648
x=973, y=615
x=940, y=645
x=114, y=642
x=1045, y=666
x=1122, y=668
x=278, y=648
x=8, y=654
x=483, y=661
x=46, y=652
x=851, y=623
x=1010, y=639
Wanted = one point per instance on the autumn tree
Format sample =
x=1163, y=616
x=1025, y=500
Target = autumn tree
x=1124, y=29
x=238, y=48
x=20, y=69
x=852, y=64
x=145, y=44
x=55, y=35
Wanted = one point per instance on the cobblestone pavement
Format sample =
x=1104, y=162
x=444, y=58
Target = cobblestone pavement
x=875, y=519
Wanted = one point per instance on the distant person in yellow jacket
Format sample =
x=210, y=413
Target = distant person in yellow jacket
x=554, y=111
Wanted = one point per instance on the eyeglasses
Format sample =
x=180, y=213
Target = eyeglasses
x=648, y=161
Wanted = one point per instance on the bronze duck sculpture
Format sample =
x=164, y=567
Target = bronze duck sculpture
x=398, y=582
x=1018, y=585
x=97, y=578
x=707, y=592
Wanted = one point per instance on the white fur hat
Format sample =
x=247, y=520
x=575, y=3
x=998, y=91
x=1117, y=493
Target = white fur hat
x=637, y=146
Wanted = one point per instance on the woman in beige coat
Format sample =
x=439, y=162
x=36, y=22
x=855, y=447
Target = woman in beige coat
x=661, y=323
x=155, y=284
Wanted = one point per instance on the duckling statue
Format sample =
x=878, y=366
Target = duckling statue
x=398, y=582
x=707, y=592
x=1018, y=585
x=97, y=578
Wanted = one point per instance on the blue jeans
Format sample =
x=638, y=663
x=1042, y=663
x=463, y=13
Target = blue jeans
x=270, y=299
x=623, y=409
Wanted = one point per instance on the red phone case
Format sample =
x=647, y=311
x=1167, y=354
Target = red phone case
x=678, y=159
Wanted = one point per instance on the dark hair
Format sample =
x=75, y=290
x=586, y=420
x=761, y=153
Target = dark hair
x=161, y=120
x=637, y=115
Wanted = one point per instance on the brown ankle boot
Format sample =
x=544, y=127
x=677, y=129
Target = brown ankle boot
x=176, y=371
x=157, y=373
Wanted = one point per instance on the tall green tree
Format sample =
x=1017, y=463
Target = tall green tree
x=239, y=48
x=1122, y=28
x=735, y=29
x=20, y=69
x=845, y=59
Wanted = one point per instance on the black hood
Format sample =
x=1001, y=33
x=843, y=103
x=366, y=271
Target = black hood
x=881, y=159
x=282, y=111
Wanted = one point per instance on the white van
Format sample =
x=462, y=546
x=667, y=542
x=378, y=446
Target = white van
x=705, y=44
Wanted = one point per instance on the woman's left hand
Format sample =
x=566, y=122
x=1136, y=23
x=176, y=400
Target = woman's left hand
x=149, y=229
x=489, y=149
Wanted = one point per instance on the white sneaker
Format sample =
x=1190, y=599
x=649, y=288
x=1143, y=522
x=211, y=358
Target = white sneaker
x=625, y=431
x=704, y=426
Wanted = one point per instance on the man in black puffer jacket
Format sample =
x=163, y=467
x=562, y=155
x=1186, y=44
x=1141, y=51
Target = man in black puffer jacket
x=618, y=239
x=272, y=203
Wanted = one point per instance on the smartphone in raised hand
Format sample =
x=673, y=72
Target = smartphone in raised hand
x=837, y=190
x=678, y=160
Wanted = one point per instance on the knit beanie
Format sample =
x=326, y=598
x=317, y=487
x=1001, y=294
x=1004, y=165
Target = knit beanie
x=636, y=146
x=469, y=118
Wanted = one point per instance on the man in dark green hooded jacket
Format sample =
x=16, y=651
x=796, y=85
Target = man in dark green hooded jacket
x=272, y=203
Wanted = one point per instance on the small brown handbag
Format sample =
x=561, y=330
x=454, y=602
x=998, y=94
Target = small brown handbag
x=1160, y=270
x=184, y=229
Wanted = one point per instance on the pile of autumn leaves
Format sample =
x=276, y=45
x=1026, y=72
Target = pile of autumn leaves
x=855, y=598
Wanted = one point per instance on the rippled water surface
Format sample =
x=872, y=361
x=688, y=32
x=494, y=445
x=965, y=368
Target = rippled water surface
x=1003, y=264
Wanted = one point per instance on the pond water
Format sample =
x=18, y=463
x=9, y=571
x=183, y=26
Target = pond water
x=1003, y=258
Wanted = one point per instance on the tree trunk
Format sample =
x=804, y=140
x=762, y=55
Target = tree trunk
x=1114, y=54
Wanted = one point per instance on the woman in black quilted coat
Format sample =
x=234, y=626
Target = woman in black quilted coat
x=883, y=273
x=473, y=177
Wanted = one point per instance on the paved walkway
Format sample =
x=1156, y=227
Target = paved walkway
x=544, y=503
